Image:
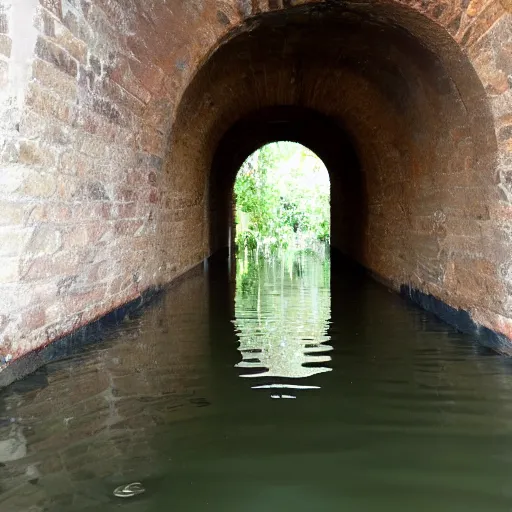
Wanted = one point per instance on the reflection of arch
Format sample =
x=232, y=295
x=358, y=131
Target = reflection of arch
x=304, y=126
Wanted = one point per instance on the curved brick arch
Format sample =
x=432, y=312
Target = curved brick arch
x=478, y=26
x=105, y=181
x=471, y=241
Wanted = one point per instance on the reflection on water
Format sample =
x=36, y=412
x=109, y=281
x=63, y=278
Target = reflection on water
x=413, y=416
x=282, y=314
x=79, y=428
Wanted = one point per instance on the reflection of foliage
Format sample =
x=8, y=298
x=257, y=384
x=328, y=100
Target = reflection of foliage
x=282, y=198
x=248, y=276
x=248, y=239
x=282, y=311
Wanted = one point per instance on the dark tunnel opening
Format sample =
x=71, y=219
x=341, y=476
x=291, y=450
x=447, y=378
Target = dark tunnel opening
x=321, y=135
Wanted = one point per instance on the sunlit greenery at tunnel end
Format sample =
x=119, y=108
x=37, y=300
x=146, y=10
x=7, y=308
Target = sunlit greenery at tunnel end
x=282, y=195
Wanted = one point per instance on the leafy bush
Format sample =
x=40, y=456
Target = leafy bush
x=282, y=197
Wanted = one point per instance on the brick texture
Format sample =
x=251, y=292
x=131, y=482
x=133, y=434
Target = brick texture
x=111, y=113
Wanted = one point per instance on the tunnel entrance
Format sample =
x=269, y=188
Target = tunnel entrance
x=323, y=136
x=281, y=201
x=394, y=108
x=123, y=140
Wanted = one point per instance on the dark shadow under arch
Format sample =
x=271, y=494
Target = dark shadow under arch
x=322, y=135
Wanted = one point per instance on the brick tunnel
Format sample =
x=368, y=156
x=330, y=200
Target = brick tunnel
x=124, y=124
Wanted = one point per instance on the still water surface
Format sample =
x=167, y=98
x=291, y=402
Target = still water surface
x=296, y=387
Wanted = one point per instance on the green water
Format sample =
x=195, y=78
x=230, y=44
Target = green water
x=294, y=387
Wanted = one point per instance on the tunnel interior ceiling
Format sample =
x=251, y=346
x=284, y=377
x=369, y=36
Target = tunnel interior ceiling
x=405, y=130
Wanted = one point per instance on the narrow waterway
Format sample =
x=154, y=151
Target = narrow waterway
x=295, y=387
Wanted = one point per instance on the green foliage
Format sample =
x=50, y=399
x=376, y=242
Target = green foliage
x=282, y=199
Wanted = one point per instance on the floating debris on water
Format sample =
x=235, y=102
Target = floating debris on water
x=129, y=490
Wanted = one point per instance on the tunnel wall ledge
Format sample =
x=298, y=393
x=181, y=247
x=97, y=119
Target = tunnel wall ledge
x=458, y=318
x=91, y=333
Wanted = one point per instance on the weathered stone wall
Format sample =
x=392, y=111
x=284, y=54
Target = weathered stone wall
x=86, y=111
x=105, y=182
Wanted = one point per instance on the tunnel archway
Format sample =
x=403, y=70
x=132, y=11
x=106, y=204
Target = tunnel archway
x=397, y=112
x=303, y=126
x=114, y=115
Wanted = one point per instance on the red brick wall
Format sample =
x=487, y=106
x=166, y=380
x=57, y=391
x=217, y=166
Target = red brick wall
x=422, y=113
x=85, y=131
x=104, y=181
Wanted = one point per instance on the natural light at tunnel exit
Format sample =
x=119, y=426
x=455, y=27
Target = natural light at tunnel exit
x=282, y=194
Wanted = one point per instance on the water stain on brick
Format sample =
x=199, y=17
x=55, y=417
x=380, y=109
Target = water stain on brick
x=86, y=78
x=106, y=108
x=4, y=26
x=152, y=178
x=505, y=132
x=95, y=64
x=85, y=5
x=65, y=284
x=149, y=161
x=91, y=190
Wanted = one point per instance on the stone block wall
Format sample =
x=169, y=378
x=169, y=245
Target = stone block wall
x=86, y=112
x=110, y=116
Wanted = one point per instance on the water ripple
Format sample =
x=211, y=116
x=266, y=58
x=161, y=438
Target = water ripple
x=282, y=330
